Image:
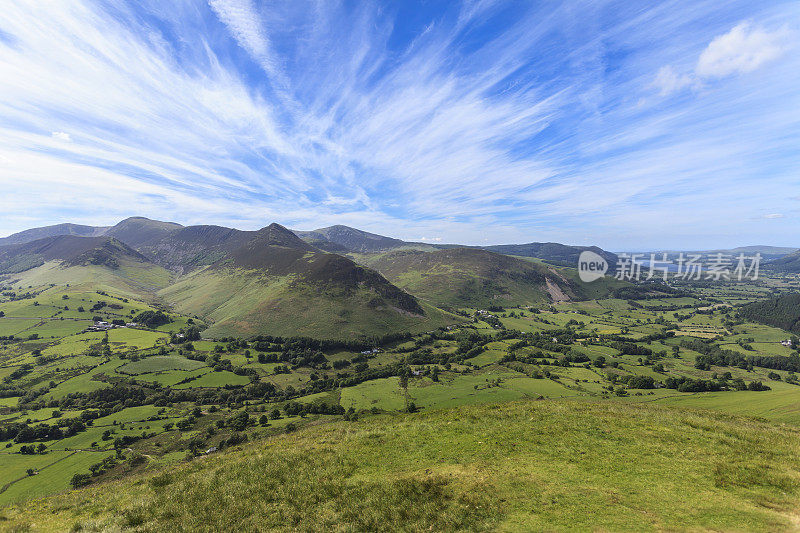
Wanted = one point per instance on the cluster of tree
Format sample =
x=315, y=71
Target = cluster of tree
x=33, y=450
x=103, y=466
x=346, y=379
x=629, y=348
x=120, y=443
x=647, y=291
x=12, y=296
x=98, y=306
x=552, y=341
x=128, y=393
x=638, y=382
x=64, y=427
x=574, y=356
x=81, y=480
x=265, y=342
x=684, y=384
x=712, y=354
x=10, y=391
x=532, y=358
x=186, y=335
x=21, y=371
x=218, y=364
x=231, y=345
x=493, y=321
x=469, y=340
x=303, y=409
x=426, y=356
x=152, y=319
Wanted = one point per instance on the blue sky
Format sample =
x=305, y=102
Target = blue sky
x=671, y=124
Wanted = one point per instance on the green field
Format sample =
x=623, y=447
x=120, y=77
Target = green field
x=158, y=363
x=53, y=475
x=781, y=404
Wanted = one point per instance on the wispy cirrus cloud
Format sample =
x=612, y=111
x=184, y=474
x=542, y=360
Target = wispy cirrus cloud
x=520, y=121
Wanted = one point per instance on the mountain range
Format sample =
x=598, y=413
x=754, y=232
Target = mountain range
x=334, y=282
x=143, y=232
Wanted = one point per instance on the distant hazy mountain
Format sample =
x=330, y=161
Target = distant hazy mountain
x=347, y=239
x=767, y=252
x=552, y=252
x=33, y=234
x=344, y=239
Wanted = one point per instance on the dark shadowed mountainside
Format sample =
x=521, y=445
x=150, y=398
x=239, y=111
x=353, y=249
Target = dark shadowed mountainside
x=192, y=247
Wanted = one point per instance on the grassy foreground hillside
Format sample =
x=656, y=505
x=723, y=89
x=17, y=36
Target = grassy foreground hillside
x=521, y=466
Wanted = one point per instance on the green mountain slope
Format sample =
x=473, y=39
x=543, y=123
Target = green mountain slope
x=93, y=262
x=277, y=284
x=522, y=466
x=469, y=277
x=279, y=275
